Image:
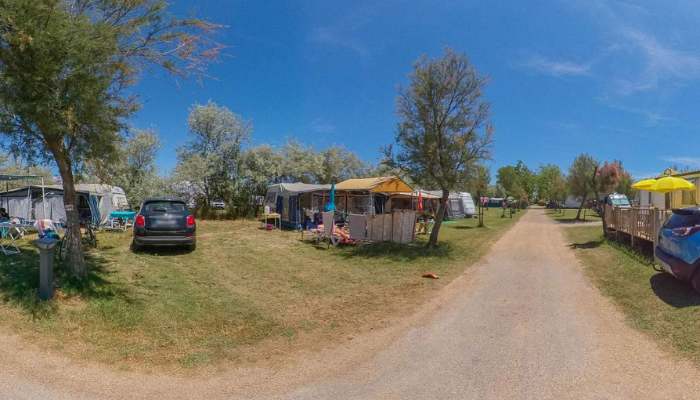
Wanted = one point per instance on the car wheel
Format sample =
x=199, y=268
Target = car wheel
x=135, y=247
x=192, y=247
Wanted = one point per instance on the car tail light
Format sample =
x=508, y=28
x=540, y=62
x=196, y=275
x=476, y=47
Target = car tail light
x=140, y=221
x=190, y=221
x=685, y=230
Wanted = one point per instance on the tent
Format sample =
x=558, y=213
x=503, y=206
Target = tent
x=108, y=198
x=369, y=195
x=46, y=202
x=459, y=204
x=296, y=202
x=409, y=201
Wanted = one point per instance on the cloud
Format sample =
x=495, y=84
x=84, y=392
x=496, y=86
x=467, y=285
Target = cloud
x=321, y=126
x=692, y=162
x=640, y=60
x=662, y=63
x=653, y=118
x=337, y=38
x=556, y=68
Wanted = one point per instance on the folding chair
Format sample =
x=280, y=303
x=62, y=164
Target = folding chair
x=8, y=239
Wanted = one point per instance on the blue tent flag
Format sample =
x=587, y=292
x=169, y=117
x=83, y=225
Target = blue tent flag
x=331, y=201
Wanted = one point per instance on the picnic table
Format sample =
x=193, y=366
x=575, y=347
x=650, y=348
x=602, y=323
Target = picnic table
x=275, y=217
x=121, y=220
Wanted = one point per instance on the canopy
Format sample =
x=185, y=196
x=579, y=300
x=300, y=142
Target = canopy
x=384, y=184
x=298, y=187
x=425, y=194
x=671, y=184
x=645, y=184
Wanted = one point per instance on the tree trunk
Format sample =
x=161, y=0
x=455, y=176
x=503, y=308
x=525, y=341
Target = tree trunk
x=76, y=261
x=442, y=210
x=601, y=207
x=583, y=203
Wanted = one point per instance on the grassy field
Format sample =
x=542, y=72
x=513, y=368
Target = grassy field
x=569, y=215
x=653, y=302
x=245, y=294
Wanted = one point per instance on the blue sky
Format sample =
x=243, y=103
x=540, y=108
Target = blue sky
x=617, y=79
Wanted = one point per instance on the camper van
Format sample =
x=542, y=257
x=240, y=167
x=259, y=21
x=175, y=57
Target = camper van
x=467, y=203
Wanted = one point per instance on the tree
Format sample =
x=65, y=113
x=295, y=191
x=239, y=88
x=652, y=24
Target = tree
x=608, y=177
x=134, y=167
x=477, y=183
x=261, y=167
x=212, y=160
x=507, y=178
x=518, y=181
x=65, y=66
x=551, y=183
x=14, y=166
x=300, y=163
x=582, y=179
x=444, y=129
x=340, y=164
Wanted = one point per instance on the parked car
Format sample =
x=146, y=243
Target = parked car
x=617, y=200
x=164, y=222
x=613, y=199
x=218, y=204
x=678, y=248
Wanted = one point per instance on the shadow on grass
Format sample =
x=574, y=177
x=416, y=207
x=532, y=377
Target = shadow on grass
x=576, y=221
x=591, y=244
x=464, y=227
x=397, y=252
x=674, y=292
x=19, y=282
x=164, y=251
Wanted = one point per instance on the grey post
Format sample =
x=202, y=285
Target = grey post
x=46, y=249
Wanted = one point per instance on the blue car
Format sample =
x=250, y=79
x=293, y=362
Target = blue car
x=678, y=248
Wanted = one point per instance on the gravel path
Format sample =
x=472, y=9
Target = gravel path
x=522, y=324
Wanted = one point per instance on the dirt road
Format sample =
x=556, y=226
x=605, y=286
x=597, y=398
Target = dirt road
x=522, y=324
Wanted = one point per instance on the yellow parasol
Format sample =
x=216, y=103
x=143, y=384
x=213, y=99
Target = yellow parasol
x=644, y=184
x=670, y=184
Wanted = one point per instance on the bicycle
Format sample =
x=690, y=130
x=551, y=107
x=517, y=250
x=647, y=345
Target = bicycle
x=89, y=239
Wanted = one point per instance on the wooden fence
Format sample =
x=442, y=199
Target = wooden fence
x=398, y=227
x=638, y=222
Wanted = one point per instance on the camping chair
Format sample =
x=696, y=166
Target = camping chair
x=9, y=234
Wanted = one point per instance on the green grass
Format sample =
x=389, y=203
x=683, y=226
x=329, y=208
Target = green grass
x=569, y=215
x=245, y=294
x=653, y=302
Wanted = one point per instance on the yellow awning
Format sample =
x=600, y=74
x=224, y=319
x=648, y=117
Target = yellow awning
x=671, y=184
x=384, y=184
x=645, y=184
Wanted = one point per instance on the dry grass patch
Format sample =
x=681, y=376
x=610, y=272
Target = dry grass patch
x=245, y=294
x=653, y=302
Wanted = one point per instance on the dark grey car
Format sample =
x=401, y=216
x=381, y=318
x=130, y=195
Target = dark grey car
x=164, y=222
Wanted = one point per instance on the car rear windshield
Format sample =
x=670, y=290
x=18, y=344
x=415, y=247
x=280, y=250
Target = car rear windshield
x=682, y=220
x=620, y=201
x=171, y=207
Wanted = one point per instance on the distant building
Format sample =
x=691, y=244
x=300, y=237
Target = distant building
x=677, y=199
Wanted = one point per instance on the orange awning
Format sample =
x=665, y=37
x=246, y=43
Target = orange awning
x=384, y=184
